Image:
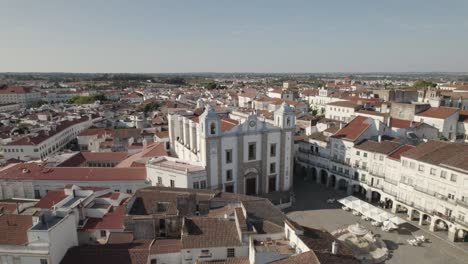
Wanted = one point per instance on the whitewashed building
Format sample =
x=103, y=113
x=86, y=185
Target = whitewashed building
x=252, y=157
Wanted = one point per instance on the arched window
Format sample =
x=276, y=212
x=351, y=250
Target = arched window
x=212, y=128
x=288, y=121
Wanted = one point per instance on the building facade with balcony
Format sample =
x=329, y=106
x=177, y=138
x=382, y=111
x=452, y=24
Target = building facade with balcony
x=427, y=182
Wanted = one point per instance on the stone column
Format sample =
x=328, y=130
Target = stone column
x=410, y=214
x=349, y=190
x=421, y=219
x=369, y=195
x=432, y=225
x=337, y=186
x=452, y=233
x=394, y=207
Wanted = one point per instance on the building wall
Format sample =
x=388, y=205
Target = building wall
x=47, y=147
x=168, y=258
x=190, y=256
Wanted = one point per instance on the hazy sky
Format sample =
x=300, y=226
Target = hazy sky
x=233, y=36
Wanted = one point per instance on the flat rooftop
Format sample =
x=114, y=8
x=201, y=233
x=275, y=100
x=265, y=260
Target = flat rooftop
x=177, y=165
x=280, y=246
x=72, y=201
x=48, y=222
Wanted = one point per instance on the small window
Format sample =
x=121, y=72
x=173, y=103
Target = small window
x=229, y=156
x=103, y=233
x=365, y=154
x=44, y=261
x=443, y=174
x=212, y=128
x=153, y=261
x=421, y=168
x=159, y=180
x=203, y=184
x=453, y=177
x=172, y=183
x=228, y=175
x=272, y=167
x=252, y=151
x=273, y=150
x=433, y=171
x=196, y=185
x=358, y=152
x=231, y=253
x=129, y=191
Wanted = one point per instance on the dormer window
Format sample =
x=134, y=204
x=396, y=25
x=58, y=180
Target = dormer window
x=212, y=128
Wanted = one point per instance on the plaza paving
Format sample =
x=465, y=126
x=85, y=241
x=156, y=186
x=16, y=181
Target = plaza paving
x=311, y=209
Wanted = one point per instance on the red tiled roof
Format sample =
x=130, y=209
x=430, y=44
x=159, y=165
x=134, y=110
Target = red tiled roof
x=439, y=112
x=95, y=131
x=397, y=154
x=164, y=246
x=15, y=90
x=155, y=149
x=112, y=220
x=228, y=124
x=348, y=104
x=310, y=92
x=13, y=229
x=8, y=208
x=43, y=135
x=105, y=156
x=127, y=253
x=401, y=123
x=35, y=172
x=353, y=129
x=51, y=198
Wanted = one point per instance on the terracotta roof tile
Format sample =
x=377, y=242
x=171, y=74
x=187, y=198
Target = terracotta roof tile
x=112, y=220
x=136, y=252
x=441, y=153
x=438, y=112
x=353, y=129
x=35, y=172
x=164, y=246
x=203, y=232
x=397, y=154
x=13, y=229
x=52, y=197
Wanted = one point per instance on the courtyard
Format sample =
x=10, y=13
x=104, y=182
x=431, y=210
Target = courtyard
x=312, y=210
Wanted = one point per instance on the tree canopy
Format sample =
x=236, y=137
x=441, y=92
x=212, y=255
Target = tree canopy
x=87, y=99
x=424, y=84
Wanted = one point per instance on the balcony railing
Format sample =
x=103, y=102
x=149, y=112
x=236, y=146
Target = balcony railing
x=424, y=190
x=461, y=203
x=394, y=182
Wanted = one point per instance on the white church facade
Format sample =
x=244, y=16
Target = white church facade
x=250, y=156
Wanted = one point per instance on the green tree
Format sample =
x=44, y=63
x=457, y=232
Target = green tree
x=424, y=84
x=211, y=86
x=38, y=104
